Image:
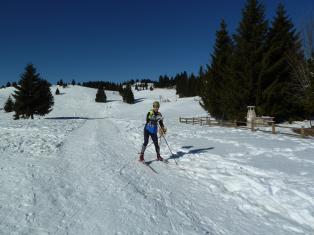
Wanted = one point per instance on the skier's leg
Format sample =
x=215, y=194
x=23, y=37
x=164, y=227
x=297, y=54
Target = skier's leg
x=157, y=148
x=146, y=136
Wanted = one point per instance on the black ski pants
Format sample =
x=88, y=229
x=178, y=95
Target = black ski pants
x=154, y=138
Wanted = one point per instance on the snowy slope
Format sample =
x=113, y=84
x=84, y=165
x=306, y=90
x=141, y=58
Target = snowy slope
x=76, y=172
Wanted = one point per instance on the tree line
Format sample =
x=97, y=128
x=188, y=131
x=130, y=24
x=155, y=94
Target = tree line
x=264, y=64
x=256, y=66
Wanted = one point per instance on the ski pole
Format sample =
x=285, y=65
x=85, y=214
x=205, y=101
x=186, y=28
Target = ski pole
x=163, y=135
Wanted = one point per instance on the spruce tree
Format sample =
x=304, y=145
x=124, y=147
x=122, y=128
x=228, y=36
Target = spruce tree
x=275, y=95
x=128, y=96
x=73, y=82
x=9, y=105
x=57, y=91
x=101, y=95
x=245, y=68
x=204, y=88
x=214, y=82
x=33, y=95
x=25, y=93
x=43, y=98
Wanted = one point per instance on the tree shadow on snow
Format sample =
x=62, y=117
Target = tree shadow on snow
x=72, y=118
x=139, y=100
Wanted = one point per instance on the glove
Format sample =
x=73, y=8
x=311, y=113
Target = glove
x=164, y=130
x=161, y=132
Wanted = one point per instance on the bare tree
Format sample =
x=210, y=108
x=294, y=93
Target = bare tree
x=303, y=70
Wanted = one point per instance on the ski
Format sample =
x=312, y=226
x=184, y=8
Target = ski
x=163, y=161
x=149, y=166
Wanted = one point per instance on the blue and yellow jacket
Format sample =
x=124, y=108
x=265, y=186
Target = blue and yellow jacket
x=152, y=119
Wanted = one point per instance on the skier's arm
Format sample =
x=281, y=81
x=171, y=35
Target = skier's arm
x=147, y=118
x=161, y=124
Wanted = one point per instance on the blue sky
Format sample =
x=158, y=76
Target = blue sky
x=118, y=40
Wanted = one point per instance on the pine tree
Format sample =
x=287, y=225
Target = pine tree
x=128, y=96
x=8, y=84
x=275, y=95
x=43, y=98
x=214, y=82
x=101, y=95
x=204, y=88
x=9, y=105
x=245, y=66
x=25, y=93
x=73, y=82
x=33, y=95
x=57, y=91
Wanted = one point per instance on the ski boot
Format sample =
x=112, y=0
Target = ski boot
x=141, y=157
x=159, y=158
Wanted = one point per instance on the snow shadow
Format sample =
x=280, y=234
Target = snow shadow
x=187, y=147
x=108, y=101
x=72, y=118
x=139, y=100
x=180, y=154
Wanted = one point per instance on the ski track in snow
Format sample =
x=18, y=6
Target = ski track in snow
x=77, y=173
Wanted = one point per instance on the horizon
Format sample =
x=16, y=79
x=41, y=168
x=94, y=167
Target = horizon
x=116, y=42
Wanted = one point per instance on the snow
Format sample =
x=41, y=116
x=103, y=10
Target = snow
x=75, y=171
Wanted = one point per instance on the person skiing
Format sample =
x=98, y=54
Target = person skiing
x=153, y=118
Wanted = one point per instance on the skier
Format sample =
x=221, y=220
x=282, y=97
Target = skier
x=152, y=119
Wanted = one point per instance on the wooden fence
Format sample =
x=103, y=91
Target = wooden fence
x=206, y=121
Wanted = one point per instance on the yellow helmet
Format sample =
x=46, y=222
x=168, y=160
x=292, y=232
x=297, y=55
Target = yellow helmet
x=156, y=104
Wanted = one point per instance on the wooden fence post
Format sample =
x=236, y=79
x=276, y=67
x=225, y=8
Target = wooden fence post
x=302, y=132
x=273, y=128
x=193, y=120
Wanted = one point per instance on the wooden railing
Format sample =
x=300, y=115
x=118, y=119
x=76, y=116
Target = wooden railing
x=206, y=121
